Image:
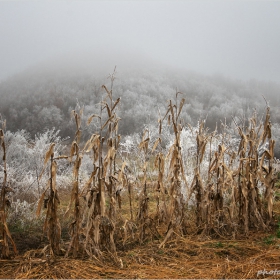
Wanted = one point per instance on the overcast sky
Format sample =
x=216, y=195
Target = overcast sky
x=239, y=39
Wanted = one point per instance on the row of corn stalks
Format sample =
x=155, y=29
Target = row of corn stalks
x=234, y=195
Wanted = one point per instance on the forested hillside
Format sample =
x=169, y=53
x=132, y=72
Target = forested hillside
x=37, y=100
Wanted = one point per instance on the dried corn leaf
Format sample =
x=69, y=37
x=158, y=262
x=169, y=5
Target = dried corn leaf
x=180, y=107
x=89, y=181
x=144, y=145
x=53, y=174
x=119, y=199
x=169, y=119
x=6, y=230
x=61, y=157
x=202, y=151
x=40, y=203
x=74, y=150
x=111, y=153
x=108, y=110
x=77, y=165
x=48, y=155
x=105, y=124
x=4, y=125
x=78, y=135
x=168, y=110
x=73, y=195
x=156, y=144
x=120, y=175
x=116, y=103
x=91, y=118
x=78, y=120
x=271, y=148
x=102, y=197
x=93, y=141
x=108, y=92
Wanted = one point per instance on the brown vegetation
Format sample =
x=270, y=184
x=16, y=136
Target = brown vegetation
x=171, y=222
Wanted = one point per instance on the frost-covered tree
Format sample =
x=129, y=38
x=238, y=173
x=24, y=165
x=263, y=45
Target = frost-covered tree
x=25, y=158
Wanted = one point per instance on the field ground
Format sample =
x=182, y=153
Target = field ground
x=193, y=256
x=180, y=258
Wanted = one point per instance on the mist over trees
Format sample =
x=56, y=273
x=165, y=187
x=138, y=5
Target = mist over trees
x=42, y=100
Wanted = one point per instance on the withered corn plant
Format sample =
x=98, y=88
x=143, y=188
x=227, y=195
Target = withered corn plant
x=255, y=172
x=51, y=202
x=218, y=193
x=230, y=191
x=176, y=181
x=238, y=193
x=127, y=225
x=75, y=226
x=142, y=216
x=98, y=219
x=202, y=207
x=5, y=234
x=159, y=164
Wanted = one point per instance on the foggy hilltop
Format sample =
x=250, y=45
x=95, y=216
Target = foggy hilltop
x=43, y=96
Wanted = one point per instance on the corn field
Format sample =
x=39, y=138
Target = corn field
x=224, y=186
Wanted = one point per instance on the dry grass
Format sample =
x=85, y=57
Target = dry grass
x=180, y=258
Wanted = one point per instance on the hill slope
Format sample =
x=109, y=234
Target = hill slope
x=44, y=96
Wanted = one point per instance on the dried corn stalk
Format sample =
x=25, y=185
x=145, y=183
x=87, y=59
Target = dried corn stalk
x=75, y=226
x=143, y=209
x=51, y=225
x=175, y=209
x=5, y=234
x=99, y=220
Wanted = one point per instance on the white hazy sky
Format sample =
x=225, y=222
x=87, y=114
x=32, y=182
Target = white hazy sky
x=239, y=39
